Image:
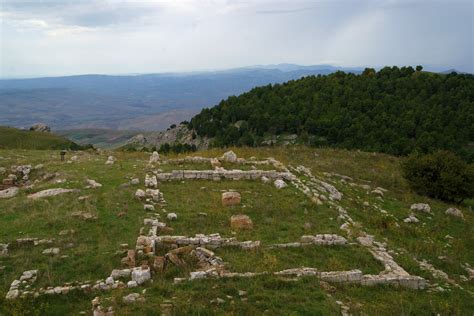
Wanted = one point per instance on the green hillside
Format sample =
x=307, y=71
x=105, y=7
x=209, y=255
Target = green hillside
x=78, y=238
x=395, y=110
x=12, y=138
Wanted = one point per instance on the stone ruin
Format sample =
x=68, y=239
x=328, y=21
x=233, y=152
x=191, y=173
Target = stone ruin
x=157, y=238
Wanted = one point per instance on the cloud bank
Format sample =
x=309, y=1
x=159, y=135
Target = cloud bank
x=64, y=37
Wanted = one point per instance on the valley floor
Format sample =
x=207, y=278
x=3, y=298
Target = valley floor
x=76, y=239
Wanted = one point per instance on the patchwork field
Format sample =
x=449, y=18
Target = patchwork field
x=340, y=214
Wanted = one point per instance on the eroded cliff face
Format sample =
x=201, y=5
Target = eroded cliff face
x=179, y=134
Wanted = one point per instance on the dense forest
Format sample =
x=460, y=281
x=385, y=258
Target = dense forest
x=395, y=110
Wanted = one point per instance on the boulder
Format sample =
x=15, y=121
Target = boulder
x=155, y=157
x=229, y=156
x=141, y=274
x=423, y=207
x=454, y=212
x=280, y=184
x=230, y=198
x=240, y=221
x=40, y=127
x=9, y=193
x=50, y=192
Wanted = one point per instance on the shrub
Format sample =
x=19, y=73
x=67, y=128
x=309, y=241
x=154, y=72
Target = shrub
x=441, y=175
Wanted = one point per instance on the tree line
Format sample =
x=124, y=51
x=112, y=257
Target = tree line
x=393, y=110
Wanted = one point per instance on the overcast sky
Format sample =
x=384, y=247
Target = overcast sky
x=66, y=37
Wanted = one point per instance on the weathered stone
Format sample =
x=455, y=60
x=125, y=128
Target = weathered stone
x=120, y=273
x=155, y=157
x=129, y=260
x=454, y=212
x=377, y=192
x=135, y=181
x=171, y=216
x=110, y=160
x=4, y=249
x=215, y=163
x=229, y=156
x=131, y=284
x=50, y=192
x=421, y=207
x=12, y=294
x=280, y=184
x=51, y=251
x=411, y=219
x=151, y=181
x=9, y=193
x=149, y=207
x=92, y=184
x=131, y=298
x=140, y=194
x=241, y=222
x=159, y=264
x=230, y=198
x=265, y=179
x=141, y=274
x=84, y=215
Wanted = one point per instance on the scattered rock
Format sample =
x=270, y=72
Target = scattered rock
x=50, y=192
x=377, y=192
x=9, y=193
x=132, y=297
x=280, y=184
x=84, y=215
x=454, y=212
x=155, y=157
x=51, y=251
x=110, y=160
x=131, y=284
x=215, y=163
x=411, y=219
x=66, y=232
x=265, y=180
x=421, y=207
x=92, y=184
x=172, y=216
x=149, y=207
x=135, y=181
x=230, y=198
x=241, y=222
x=4, y=249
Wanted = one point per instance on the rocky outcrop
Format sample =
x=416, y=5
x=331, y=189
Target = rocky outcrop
x=40, y=127
x=180, y=134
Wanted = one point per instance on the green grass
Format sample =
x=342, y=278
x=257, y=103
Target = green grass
x=12, y=138
x=278, y=216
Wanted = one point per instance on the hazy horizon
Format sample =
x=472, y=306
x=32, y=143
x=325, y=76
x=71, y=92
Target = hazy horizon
x=60, y=38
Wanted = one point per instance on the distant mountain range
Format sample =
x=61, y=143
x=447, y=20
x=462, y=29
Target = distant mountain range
x=134, y=102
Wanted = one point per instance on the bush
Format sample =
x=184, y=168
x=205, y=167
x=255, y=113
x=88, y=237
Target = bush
x=441, y=175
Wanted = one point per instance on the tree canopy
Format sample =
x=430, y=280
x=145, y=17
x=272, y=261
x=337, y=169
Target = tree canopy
x=395, y=110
